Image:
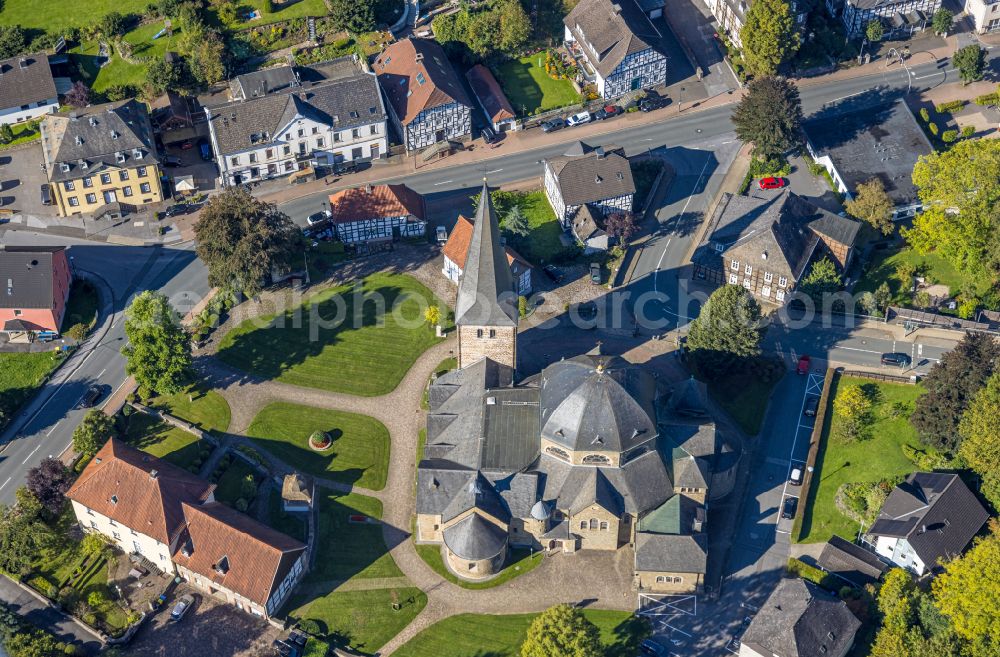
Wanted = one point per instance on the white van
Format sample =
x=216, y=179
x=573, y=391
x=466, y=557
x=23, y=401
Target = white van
x=795, y=479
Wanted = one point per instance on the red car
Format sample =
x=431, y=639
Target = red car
x=803, y=367
x=772, y=183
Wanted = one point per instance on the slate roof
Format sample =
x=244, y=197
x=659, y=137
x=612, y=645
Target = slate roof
x=137, y=490
x=457, y=247
x=278, y=79
x=799, y=619
x=94, y=136
x=489, y=93
x=585, y=174
x=376, y=201
x=936, y=513
x=851, y=562
x=588, y=403
x=26, y=80
x=474, y=538
x=510, y=429
x=486, y=292
x=234, y=551
x=450, y=493
x=614, y=29
x=585, y=224
x=455, y=421
x=402, y=66
x=677, y=515
x=342, y=103
x=26, y=276
x=881, y=142
x=671, y=553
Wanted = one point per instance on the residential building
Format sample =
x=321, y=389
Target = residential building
x=566, y=459
x=616, y=46
x=899, y=18
x=799, y=619
x=136, y=500
x=929, y=518
x=149, y=507
x=375, y=213
x=985, y=14
x=27, y=88
x=172, y=118
x=427, y=101
x=101, y=156
x=231, y=556
x=766, y=244
x=882, y=142
x=731, y=15
x=851, y=563
x=37, y=280
x=585, y=175
x=336, y=119
x=588, y=230
x=491, y=98
x=457, y=247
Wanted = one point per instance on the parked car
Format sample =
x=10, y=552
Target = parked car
x=205, y=149
x=553, y=272
x=771, y=183
x=553, y=124
x=789, y=507
x=489, y=136
x=91, y=397
x=578, y=119
x=650, y=103
x=176, y=210
x=186, y=145
x=348, y=166
x=318, y=217
x=171, y=161
x=652, y=648
x=812, y=405
x=607, y=112
x=897, y=358
x=795, y=478
x=46, y=194
x=441, y=234
x=595, y=273
x=803, y=366
x=182, y=607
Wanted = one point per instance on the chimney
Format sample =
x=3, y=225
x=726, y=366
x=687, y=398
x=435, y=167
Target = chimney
x=368, y=188
x=153, y=473
x=23, y=63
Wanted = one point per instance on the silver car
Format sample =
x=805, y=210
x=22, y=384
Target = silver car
x=182, y=607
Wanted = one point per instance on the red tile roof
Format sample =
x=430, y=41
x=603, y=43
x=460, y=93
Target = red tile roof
x=489, y=93
x=457, y=247
x=416, y=75
x=372, y=202
x=235, y=551
x=138, y=490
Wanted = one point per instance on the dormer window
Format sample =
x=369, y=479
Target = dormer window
x=719, y=247
x=222, y=567
x=79, y=140
x=114, y=499
x=137, y=153
x=84, y=164
x=64, y=167
x=114, y=134
x=120, y=157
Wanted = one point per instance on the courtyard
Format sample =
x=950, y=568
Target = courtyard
x=529, y=87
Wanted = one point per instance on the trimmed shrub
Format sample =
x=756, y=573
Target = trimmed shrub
x=949, y=107
x=949, y=136
x=924, y=114
x=968, y=131
x=309, y=626
x=987, y=99
x=933, y=128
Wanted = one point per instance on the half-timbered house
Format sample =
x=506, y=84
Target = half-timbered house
x=377, y=213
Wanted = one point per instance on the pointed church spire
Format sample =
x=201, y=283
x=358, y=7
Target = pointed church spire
x=486, y=293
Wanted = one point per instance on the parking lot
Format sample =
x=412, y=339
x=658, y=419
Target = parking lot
x=21, y=180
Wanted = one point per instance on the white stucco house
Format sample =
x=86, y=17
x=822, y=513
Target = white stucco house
x=457, y=247
x=985, y=14
x=27, y=88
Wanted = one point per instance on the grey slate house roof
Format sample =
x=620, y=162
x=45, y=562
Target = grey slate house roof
x=475, y=538
x=486, y=292
x=279, y=79
x=615, y=29
x=676, y=553
x=799, y=619
x=343, y=103
x=26, y=79
x=95, y=136
x=851, y=562
x=26, y=276
x=586, y=174
x=935, y=512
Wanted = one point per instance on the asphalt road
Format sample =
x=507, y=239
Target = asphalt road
x=46, y=426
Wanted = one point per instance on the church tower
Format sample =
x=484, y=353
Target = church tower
x=486, y=310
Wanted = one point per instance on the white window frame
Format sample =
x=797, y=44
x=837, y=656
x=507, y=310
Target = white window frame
x=746, y=283
x=779, y=295
x=734, y=265
x=782, y=281
x=734, y=279
x=748, y=270
x=768, y=276
x=765, y=291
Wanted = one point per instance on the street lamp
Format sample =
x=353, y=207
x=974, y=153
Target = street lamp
x=680, y=102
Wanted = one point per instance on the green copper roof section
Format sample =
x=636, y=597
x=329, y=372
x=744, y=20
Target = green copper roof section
x=665, y=519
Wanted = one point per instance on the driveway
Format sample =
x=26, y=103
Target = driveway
x=46, y=617
x=21, y=179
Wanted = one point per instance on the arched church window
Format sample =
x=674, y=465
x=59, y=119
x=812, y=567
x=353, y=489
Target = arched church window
x=556, y=452
x=596, y=459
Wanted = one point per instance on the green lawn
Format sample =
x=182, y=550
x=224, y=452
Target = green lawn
x=81, y=307
x=230, y=484
x=359, y=454
x=839, y=462
x=20, y=376
x=207, y=410
x=354, y=356
x=56, y=15
x=23, y=133
x=293, y=524
x=882, y=269
x=476, y=635
x=283, y=11
x=520, y=561
x=118, y=71
x=530, y=89
x=350, y=549
x=364, y=620
x=543, y=243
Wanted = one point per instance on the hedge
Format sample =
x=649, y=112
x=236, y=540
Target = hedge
x=968, y=131
x=933, y=128
x=988, y=99
x=949, y=107
x=949, y=136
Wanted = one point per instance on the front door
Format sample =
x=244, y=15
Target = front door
x=439, y=135
x=636, y=83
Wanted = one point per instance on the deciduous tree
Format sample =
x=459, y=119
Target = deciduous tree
x=78, y=95
x=822, y=279
x=768, y=35
x=242, y=240
x=854, y=406
x=872, y=205
x=562, y=631
x=162, y=76
x=12, y=41
x=769, y=116
x=92, y=432
x=970, y=61
x=966, y=592
x=49, y=481
x=621, y=226
x=158, y=352
x=22, y=538
x=356, y=16
x=874, y=31
x=942, y=21
x=727, y=330
x=980, y=432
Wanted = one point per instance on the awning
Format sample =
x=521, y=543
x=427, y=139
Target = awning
x=184, y=184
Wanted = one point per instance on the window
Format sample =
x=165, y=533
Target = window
x=106, y=178
x=782, y=281
x=144, y=188
x=583, y=524
x=69, y=186
x=355, y=133
x=320, y=142
x=286, y=149
x=596, y=459
x=768, y=277
x=493, y=333
x=90, y=511
x=735, y=265
x=604, y=525
x=88, y=182
x=779, y=295
x=134, y=532
x=111, y=520
x=234, y=161
x=479, y=333
x=127, y=190
x=302, y=132
x=661, y=579
x=421, y=79
x=141, y=172
x=253, y=158
x=269, y=153
x=289, y=166
x=720, y=247
x=765, y=291
x=116, y=536
x=93, y=525
x=746, y=283
x=162, y=558
x=556, y=452
x=136, y=547
x=73, y=201
x=734, y=279
x=315, y=130
x=123, y=174
x=337, y=138
x=749, y=270
x=91, y=198
x=593, y=523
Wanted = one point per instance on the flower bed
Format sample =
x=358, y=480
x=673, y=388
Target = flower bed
x=320, y=441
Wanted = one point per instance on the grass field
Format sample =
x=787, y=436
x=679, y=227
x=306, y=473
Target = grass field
x=351, y=549
x=542, y=244
x=359, y=454
x=20, y=376
x=530, y=89
x=118, y=71
x=519, y=562
x=56, y=15
x=81, y=307
x=840, y=462
x=207, y=410
x=882, y=269
x=475, y=635
x=23, y=133
x=355, y=356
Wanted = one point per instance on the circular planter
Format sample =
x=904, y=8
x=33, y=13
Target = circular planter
x=320, y=441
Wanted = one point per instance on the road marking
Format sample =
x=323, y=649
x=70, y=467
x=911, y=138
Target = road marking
x=867, y=351
x=443, y=182
x=930, y=75
x=49, y=432
x=847, y=96
x=660, y=262
x=32, y=454
x=102, y=372
x=5, y=483
x=814, y=381
x=656, y=274
x=494, y=171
